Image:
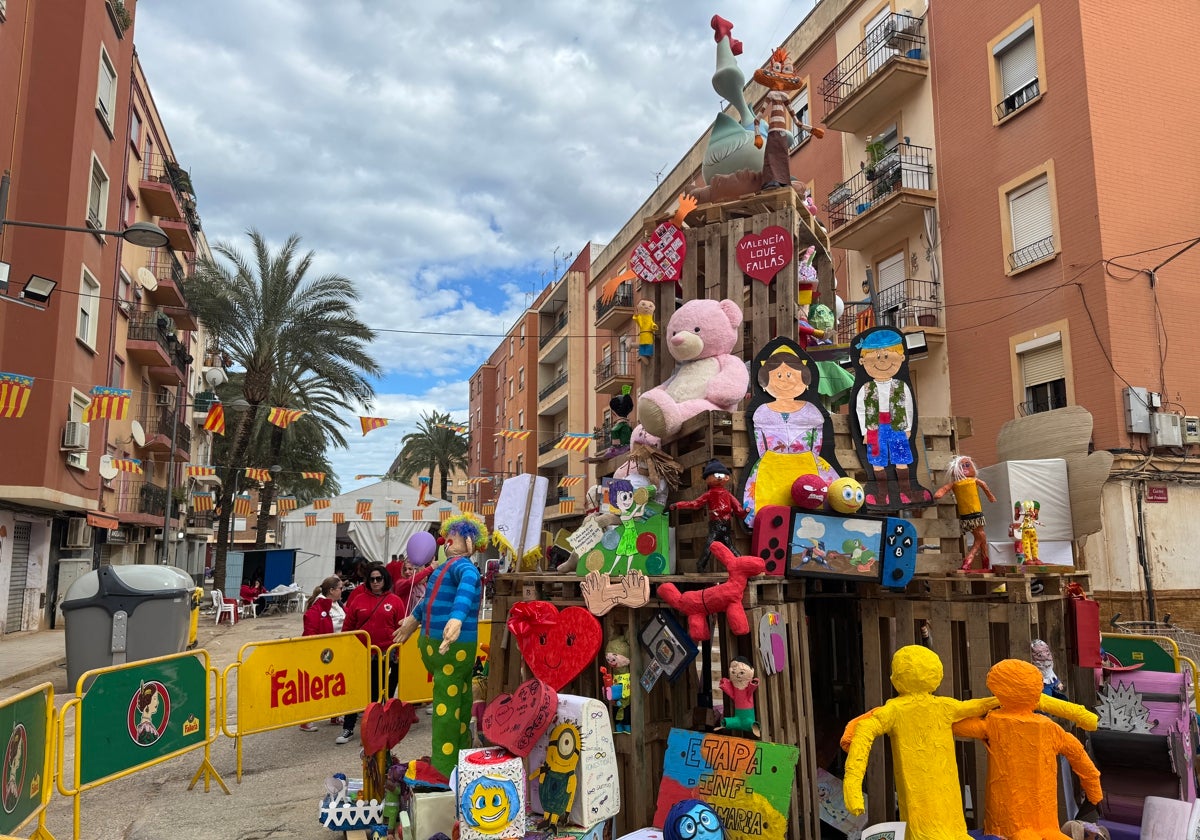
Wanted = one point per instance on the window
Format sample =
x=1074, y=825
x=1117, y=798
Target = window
x=79, y=402
x=878, y=32
x=106, y=90
x=800, y=108
x=522, y=334
x=521, y=419
x=135, y=131
x=89, y=309
x=510, y=388
x=1017, y=66
x=889, y=273
x=118, y=377
x=129, y=207
x=125, y=295
x=97, y=195
x=510, y=348
x=521, y=379
x=1043, y=374
x=1028, y=219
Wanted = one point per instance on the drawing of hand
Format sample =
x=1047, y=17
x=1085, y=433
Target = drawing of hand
x=636, y=589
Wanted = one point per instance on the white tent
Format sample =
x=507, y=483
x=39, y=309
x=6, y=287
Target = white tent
x=315, y=544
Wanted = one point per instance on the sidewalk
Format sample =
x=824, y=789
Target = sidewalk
x=23, y=655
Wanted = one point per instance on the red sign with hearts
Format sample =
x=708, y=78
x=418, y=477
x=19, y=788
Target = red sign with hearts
x=660, y=259
x=555, y=645
x=384, y=725
x=516, y=721
x=763, y=255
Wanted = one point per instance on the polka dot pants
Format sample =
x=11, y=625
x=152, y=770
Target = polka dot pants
x=451, y=698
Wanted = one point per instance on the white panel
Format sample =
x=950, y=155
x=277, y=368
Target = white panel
x=1043, y=480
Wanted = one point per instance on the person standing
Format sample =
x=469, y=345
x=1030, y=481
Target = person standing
x=319, y=618
x=379, y=612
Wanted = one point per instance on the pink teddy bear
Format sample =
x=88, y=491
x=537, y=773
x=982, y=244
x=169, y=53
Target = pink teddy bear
x=700, y=336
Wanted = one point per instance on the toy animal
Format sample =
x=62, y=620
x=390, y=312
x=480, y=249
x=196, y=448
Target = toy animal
x=725, y=597
x=700, y=336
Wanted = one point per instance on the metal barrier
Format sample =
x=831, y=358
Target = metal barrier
x=27, y=724
x=135, y=716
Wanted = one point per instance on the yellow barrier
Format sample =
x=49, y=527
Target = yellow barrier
x=415, y=684
x=135, y=716
x=286, y=682
x=27, y=727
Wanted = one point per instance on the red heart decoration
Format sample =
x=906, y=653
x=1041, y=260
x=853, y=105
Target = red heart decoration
x=763, y=255
x=555, y=645
x=516, y=721
x=660, y=258
x=384, y=725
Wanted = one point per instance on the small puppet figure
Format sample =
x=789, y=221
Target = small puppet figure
x=391, y=797
x=1024, y=531
x=807, y=334
x=616, y=683
x=448, y=617
x=643, y=316
x=965, y=484
x=1043, y=658
x=739, y=687
x=721, y=506
x=556, y=777
x=692, y=819
x=780, y=79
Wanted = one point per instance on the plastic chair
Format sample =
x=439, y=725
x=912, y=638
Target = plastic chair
x=247, y=608
x=223, y=606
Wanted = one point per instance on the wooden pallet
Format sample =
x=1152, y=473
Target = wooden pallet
x=1013, y=587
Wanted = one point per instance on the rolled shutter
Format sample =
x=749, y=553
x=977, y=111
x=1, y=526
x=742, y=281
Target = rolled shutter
x=1018, y=64
x=1042, y=365
x=1030, y=212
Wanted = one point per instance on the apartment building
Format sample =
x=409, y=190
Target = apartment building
x=85, y=148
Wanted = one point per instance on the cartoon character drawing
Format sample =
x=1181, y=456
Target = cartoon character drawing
x=692, y=819
x=15, y=755
x=556, y=777
x=860, y=557
x=630, y=505
x=147, y=703
x=489, y=803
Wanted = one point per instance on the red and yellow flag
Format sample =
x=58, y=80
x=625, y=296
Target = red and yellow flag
x=418, y=515
x=489, y=508
x=310, y=519
x=466, y=507
x=107, y=404
x=215, y=420
x=339, y=518
x=446, y=514
x=372, y=423
x=129, y=465
x=316, y=476
x=14, y=394
x=258, y=474
x=284, y=417
x=566, y=505
x=321, y=504
x=513, y=434
x=194, y=470
x=362, y=506
x=392, y=519
x=242, y=505
x=285, y=504
x=202, y=502
x=574, y=442
x=569, y=480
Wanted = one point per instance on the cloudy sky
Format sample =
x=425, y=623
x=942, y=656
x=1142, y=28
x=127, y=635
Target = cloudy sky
x=450, y=158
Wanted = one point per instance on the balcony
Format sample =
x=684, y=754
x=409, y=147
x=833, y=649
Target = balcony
x=200, y=522
x=865, y=86
x=557, y=327
x=559, y=382
x=613, y=314
x=911, y=303
x=548, y=445
x=158, y=420
x=169, y=276
x=147, y=344
x=159, y=186
x=881, y=201
x=201, y=403
x=1031, y=254
x=141, y=503
x=615, y=371
x=179, y=234
x=1016, y=101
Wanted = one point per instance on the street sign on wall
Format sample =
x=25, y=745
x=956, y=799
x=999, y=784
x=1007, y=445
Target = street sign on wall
x=26, y=773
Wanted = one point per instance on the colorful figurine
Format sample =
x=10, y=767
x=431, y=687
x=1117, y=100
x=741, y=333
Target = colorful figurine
x=1024, y=531
x=630, y=505
x=780, y=79
x=643, y=316
x=556, y=777
x=721, y=506
x=616, y=683
x=1043, y=660
x=845, y=495
x=739, y=687
x=807, y=333
x=726, y=597
x=966, y=484
x=692, y=819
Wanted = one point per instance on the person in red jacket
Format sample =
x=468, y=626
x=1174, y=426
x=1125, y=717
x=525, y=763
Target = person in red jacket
x=378, y=611
x=319, y=618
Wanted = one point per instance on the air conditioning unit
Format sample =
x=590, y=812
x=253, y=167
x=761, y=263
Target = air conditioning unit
x=79, y=534
x=1166, y=429
x=78, y=460
x=136, y=536
x=75, y=436
x=1191, y=429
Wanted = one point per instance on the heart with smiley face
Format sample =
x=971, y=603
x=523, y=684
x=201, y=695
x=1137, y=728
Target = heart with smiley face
x=556, y=645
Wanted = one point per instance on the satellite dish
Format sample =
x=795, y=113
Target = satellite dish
x=215, y=376
x=107, y=471
x=146, y=279
x=138, y=433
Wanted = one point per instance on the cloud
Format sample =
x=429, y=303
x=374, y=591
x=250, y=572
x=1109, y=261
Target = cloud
x=810, y=528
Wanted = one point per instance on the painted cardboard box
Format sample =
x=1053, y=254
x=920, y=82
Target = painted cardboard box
x=491, y=794
x=432, y=813
x=597, y=788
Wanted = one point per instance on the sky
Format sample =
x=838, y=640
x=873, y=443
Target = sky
x=449, y=158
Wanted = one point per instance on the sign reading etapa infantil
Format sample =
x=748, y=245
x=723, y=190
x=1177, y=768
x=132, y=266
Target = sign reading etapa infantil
x=290, y=681
x=748, y=783
x=24, y=776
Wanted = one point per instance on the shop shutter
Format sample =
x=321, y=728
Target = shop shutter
x=19, y=578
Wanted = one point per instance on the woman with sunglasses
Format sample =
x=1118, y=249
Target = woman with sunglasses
x=379, y=612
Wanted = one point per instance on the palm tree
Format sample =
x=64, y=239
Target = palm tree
x=432, y=447
x=266, y=312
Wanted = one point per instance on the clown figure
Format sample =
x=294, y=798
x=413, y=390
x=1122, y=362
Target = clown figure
x=1024, y=531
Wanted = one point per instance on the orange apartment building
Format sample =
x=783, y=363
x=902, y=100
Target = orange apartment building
x=85, y=148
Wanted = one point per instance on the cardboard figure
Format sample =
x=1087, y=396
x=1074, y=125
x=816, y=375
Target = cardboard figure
x=643, y=316
x=780, y=80
x=724, y=597
x=885, y=420
x=721, y=506
x=966, y=484
x=556, y=777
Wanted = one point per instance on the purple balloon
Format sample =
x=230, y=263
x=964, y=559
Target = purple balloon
x=422, y=546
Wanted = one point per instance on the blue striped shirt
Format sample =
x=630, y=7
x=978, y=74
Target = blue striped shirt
x=456, y=592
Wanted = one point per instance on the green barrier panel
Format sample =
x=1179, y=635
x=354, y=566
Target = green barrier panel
x=26, y=724
x=1146, y=651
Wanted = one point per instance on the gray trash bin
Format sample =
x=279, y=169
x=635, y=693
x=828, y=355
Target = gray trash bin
x=120, y=614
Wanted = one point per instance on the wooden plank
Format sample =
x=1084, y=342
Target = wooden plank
x=1019, y=631
x=875, y=785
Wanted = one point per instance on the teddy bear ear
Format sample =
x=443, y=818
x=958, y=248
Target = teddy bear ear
x=733, y=312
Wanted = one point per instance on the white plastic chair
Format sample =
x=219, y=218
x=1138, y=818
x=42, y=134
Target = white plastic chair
x=224, y=606
x=247, y=608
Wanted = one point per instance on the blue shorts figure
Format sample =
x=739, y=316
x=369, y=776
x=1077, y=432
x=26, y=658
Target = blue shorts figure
x=892, y=448
x=646, y=350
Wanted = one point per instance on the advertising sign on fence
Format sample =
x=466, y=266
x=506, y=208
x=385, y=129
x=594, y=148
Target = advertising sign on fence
x=24, y=737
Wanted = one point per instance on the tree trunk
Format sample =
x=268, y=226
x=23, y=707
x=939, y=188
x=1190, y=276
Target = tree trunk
x=445, y=481
x=226, y=498
x=268, y=492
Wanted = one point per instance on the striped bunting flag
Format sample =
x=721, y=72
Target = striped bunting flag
x=339, y=518
x=258, y=474
x=362, y=506
x=466, y=507
x=446, y=514
x=129, y=465
x=569, y=480
x=285, y=504
x=417, y=515
x=371, y=423
x=478, y=481
x=316, y=476
x=566, y=505
x=514, y=434
x=574, y=442
x=242, y=505
x=107, y=404
x=214, y=421
x=14, y=394
x=201, y=502
x=489, y=508
x=454, y=427
x=194, y=470
x=321, y=504
x=366, y=516
x=392, y=519
x=284, y=417
x=310, y=519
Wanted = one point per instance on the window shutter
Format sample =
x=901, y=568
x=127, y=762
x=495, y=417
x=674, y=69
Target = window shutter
x=1042, y=365
x=891, y=271
x=1018, y=64
x=1029, y=208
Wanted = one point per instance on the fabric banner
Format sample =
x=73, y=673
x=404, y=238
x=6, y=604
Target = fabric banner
x=242, y=506
x=392, y=519
x=285, y=504
x=194, y=470
x=489, y=508
x=367, y=516
x=454, y=427
x=466, y=507
x=362, y=506
x=107, y=404
x=317, y=476
x=284, y=417
x=339, y=518
x=201, y=502
x=418, y=515
x=570, y=480
x=446, y=514
x=129, y=465
x=372, y=423
x=566, y=505
x=573, y=442
x=310, y=519
x=321, y=504
x=14, y=394
x=477, y=481
x=215, y=420
x=258, y=474
x=514, y=434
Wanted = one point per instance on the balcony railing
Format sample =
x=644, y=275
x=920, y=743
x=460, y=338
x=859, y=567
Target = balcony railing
x=159, y=419
x=897, y=35
x=558, y=382
x=545, y=447
x=141, y=497
x=559, y=323
x=903, y=167
x=202, y=519
x=856, y=317
x=203, y=401
x=154, y=326
x=623, y=297
x=1040, y=250
x=619, y=364
x=910, y=303
x=167, y=268
x=1018, y=100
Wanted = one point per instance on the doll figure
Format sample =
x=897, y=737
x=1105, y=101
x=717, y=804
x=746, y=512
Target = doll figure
x=556, y=777
x=965, y=484
x=721, y=506
x=807, y=333
x=740, y=686
x=630, y=505
x=643, y=316
x=616, y=683
x=1042, y=657
x=1024, y=532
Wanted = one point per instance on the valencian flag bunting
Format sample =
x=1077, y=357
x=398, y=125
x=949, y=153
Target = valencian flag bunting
x=362, y=506
x=14, y=394
x=466, y=507
x=284, y=417
x=417, y=515
x=242, y=505
x=107, y=404
x=194, y=470
x=321, y=504
x=446, y=513
x=285, y=504
x=489, y=508
x=566, y=505
x=339, y=518
x=129, y=465
x=202, y=502
x=215, y=420
x=569, y=480
x=316, y=476
x=514, y=434
x=454, y=427
x=371, y=423
x=574, y=441
x=366, y=516
x=258, y=474
x=477, y=481
x=310, y=519
x=392, y=519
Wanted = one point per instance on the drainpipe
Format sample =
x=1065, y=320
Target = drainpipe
x=1143, y=560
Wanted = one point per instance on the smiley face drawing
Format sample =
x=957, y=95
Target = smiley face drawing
x=489, y=804
x=693, y=819
x=16, y=759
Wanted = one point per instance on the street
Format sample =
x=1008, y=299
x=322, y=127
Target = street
x=282, y=782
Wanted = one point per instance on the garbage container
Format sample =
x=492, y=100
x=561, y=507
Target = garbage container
x=194, y=627
x=120, y=614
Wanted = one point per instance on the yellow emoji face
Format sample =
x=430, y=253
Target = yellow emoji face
x=489, y=804
x=845, y=495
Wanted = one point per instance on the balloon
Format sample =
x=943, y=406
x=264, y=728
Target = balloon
x=838, y=306
x=422, y=546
